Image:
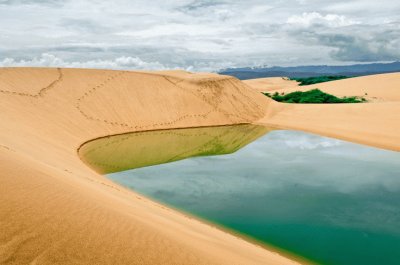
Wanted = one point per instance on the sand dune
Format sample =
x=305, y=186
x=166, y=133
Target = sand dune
x=56, y=210
x=374, y=88
x=271, y=83
x=375, y=123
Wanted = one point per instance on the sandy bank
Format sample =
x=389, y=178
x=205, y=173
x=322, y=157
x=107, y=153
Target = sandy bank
x=56, y=210
x=375, y=88
x=376, y=123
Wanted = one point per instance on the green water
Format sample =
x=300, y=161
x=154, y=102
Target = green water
x=330, y=201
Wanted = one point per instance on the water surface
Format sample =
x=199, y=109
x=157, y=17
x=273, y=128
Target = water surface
x=330, y=201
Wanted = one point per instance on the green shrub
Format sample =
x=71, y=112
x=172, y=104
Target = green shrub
x=312, y=96
x=318, y=79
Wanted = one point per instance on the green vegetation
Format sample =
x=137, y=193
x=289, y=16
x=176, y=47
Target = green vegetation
x=318, y=79
x=312, y=96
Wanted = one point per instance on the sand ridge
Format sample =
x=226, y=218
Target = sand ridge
x=56, y=210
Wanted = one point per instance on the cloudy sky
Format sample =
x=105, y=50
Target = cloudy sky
x=202, y=35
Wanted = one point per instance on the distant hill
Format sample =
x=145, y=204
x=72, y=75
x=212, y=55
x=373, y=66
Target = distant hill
x=312, y=70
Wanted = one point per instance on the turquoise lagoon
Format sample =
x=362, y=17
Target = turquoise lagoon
x=329, y=201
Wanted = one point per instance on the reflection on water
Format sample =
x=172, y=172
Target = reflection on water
x=135, y=150
x=328, y=200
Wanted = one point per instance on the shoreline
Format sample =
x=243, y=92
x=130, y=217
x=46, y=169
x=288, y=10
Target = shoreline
x=373, y=123
x=328, y=134
x=152, y=130
x=258, y=243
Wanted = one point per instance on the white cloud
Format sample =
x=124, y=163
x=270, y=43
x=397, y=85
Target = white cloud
x=50, y=60
x=308, y=145
x=314, y=18
x=202, y=35
x=309, y=142
x=172, y=29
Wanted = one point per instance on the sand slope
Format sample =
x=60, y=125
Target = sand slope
x=375, y=123
x=374, y=88
x=56, y=210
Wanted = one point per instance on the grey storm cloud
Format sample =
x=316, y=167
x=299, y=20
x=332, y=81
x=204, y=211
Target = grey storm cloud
x=199, y=35
x=362, y=49
x=359, y=43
